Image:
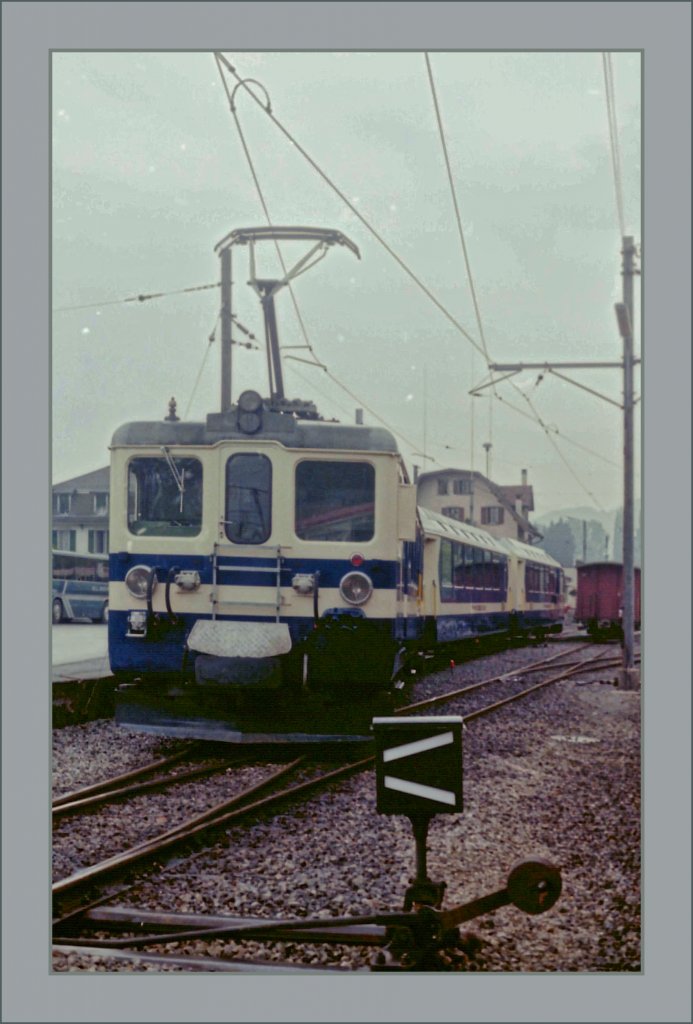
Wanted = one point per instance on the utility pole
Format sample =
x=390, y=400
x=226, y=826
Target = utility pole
x=487, y=448
x=624, y=315
x=425, y=413
x=624, y=312
x=225, y=257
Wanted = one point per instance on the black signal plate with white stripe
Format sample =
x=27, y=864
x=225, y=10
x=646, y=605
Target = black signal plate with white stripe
x=418, y=765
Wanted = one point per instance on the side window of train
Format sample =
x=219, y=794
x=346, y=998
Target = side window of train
x=335, y=501
x=165, y=496
x=248, y=498
x=445, y=571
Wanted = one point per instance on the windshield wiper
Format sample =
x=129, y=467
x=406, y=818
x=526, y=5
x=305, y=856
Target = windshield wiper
x=177, y=475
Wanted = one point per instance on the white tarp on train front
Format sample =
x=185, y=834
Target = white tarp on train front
x=239, y=639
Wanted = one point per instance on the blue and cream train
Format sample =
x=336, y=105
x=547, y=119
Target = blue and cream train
x=270, y=574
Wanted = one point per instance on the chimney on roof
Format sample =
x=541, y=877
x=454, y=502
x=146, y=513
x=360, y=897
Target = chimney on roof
x=524, y=477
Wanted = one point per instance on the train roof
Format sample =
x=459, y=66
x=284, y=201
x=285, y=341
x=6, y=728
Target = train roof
x=287, y=430
x=529, y=552
x=604, y=564
x=436, y=525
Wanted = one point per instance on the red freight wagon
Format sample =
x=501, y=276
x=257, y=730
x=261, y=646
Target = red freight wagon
x=600, y=597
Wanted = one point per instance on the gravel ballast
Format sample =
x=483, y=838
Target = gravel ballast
x=556, y=776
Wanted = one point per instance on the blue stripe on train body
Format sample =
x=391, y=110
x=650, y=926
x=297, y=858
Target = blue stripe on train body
x=162, y=649
x=383, y=572
x=467, y=625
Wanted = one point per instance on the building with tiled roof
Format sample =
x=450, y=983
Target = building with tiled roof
x=470, y=497
x=80, y=513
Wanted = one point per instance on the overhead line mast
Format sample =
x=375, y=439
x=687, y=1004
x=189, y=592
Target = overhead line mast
x=624, y=314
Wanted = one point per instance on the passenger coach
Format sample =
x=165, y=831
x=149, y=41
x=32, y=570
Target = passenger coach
x=465, y=579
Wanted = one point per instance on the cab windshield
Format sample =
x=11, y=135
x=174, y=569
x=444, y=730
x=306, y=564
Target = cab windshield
x=335, y=501
x=165, y=496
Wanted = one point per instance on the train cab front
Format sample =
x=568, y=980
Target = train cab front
x=255, y=575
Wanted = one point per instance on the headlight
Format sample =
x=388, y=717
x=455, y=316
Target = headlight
x=356, y=588
x=249, y=412
x=250, y=401
x=137, y=580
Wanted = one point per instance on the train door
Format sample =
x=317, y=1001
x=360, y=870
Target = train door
x=246, y=563
x=516, y=593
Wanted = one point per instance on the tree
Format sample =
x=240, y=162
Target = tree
x=559, y=542
x=597, y=542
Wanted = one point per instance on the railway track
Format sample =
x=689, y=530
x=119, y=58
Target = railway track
x=206, y=827
x=78, y=897
x=132, y=783
x=516, y=677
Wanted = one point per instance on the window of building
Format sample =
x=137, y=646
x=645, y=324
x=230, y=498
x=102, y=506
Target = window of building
x=64, y=540
x=442, y=486
x=61, y=504
x=492, y=515
x=101, y=503
x=462, y=486
x=165, y=496
x=248, y=498
x=335, y=501
x=98, y=542
x=454, y=512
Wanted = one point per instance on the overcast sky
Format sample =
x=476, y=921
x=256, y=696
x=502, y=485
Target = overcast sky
x=149, y=173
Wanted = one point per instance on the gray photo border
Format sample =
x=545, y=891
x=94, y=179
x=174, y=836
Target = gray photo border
x=30, y=31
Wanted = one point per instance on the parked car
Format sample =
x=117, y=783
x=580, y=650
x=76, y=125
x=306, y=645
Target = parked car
x=80, y=599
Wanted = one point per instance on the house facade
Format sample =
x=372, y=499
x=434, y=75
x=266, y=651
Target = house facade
x=80, y=513
x=470, y=497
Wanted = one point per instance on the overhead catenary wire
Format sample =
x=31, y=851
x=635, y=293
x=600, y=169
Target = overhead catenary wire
x=368, y=409
x=613, y=139
x=267, y=109
x=317, y=363
x=535, y=415
x=221, y=59
x=263, y=202
x=199, y=374
x=212, y=338
x=141, y=298
x=137, y=298
x=558, y=451
x=555, y=430
x=453, y=193
x=477, y=311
